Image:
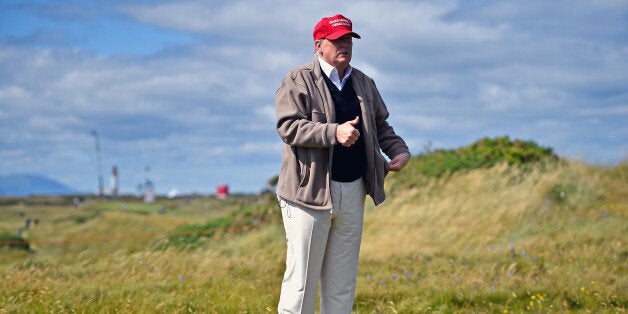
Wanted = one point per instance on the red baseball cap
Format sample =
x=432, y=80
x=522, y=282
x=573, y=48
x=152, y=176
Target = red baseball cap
x=333, y=27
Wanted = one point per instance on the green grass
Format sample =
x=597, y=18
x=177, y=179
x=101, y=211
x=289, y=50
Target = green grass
x=548, y=237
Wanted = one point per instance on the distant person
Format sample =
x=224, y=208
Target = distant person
x=332, y=120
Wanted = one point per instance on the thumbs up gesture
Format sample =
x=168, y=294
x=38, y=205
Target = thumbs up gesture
x=347, y=134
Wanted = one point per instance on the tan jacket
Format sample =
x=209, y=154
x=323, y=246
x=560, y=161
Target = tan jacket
x=306, y=123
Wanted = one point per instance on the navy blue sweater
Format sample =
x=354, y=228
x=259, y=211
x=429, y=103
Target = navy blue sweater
x=348, y=163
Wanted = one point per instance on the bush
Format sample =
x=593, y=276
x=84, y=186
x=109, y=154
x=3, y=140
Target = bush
x=483, y=153
x=193, y=236
x=248, y=214
x=13, y=241
x=264, y=211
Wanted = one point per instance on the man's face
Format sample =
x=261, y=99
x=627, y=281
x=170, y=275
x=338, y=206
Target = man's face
x=336, y=52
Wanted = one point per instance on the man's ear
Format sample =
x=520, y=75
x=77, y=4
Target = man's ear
x=317, y=45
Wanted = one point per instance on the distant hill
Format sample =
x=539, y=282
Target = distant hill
x=31, y=184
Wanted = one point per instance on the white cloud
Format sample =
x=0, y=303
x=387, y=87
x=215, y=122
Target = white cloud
x=261, y=147
x=611, y=111
x=244, y=19
x=449, y=71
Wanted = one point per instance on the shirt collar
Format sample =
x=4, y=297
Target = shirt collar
x=332, y=73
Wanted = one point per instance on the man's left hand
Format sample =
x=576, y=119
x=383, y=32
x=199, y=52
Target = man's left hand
x=399, y=162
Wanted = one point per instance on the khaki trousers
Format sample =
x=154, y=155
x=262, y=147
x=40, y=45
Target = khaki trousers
x=323, y=246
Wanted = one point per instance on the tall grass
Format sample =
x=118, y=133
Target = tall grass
x=504, y=239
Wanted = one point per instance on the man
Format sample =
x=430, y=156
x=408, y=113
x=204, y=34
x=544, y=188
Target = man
x=332, y=120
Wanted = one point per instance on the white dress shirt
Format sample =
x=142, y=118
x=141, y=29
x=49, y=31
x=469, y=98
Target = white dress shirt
x=332, y=73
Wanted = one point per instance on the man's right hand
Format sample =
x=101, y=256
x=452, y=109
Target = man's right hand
x=347, y=134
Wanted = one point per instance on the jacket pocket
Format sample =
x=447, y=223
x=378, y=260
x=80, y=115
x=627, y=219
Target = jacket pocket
x=381, y=162
x=318, y=116
x=303, y=160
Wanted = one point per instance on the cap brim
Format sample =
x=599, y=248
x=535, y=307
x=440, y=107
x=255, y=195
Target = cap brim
x=338, y=34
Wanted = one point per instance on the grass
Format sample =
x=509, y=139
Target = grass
x=495, y=238
x=504, y=239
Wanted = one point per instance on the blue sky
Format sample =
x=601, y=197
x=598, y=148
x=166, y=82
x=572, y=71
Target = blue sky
x=187, y=87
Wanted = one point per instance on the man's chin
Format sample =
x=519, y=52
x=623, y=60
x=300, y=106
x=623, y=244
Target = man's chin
x=343, y=61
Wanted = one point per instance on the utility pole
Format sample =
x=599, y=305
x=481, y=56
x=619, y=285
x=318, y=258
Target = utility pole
x=101, y=189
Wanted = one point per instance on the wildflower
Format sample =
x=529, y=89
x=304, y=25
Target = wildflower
x=394, y=276
x=181, y=278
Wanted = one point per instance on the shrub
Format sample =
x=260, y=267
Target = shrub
x=13, y=241
x=264, y=211
x=483, y=153
x=193, y=236
x=248, y=214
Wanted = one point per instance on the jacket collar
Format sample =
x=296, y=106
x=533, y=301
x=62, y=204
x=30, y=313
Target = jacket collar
x=319, y=80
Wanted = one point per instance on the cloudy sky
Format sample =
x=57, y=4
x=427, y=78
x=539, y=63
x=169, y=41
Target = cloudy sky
x=186, y=88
